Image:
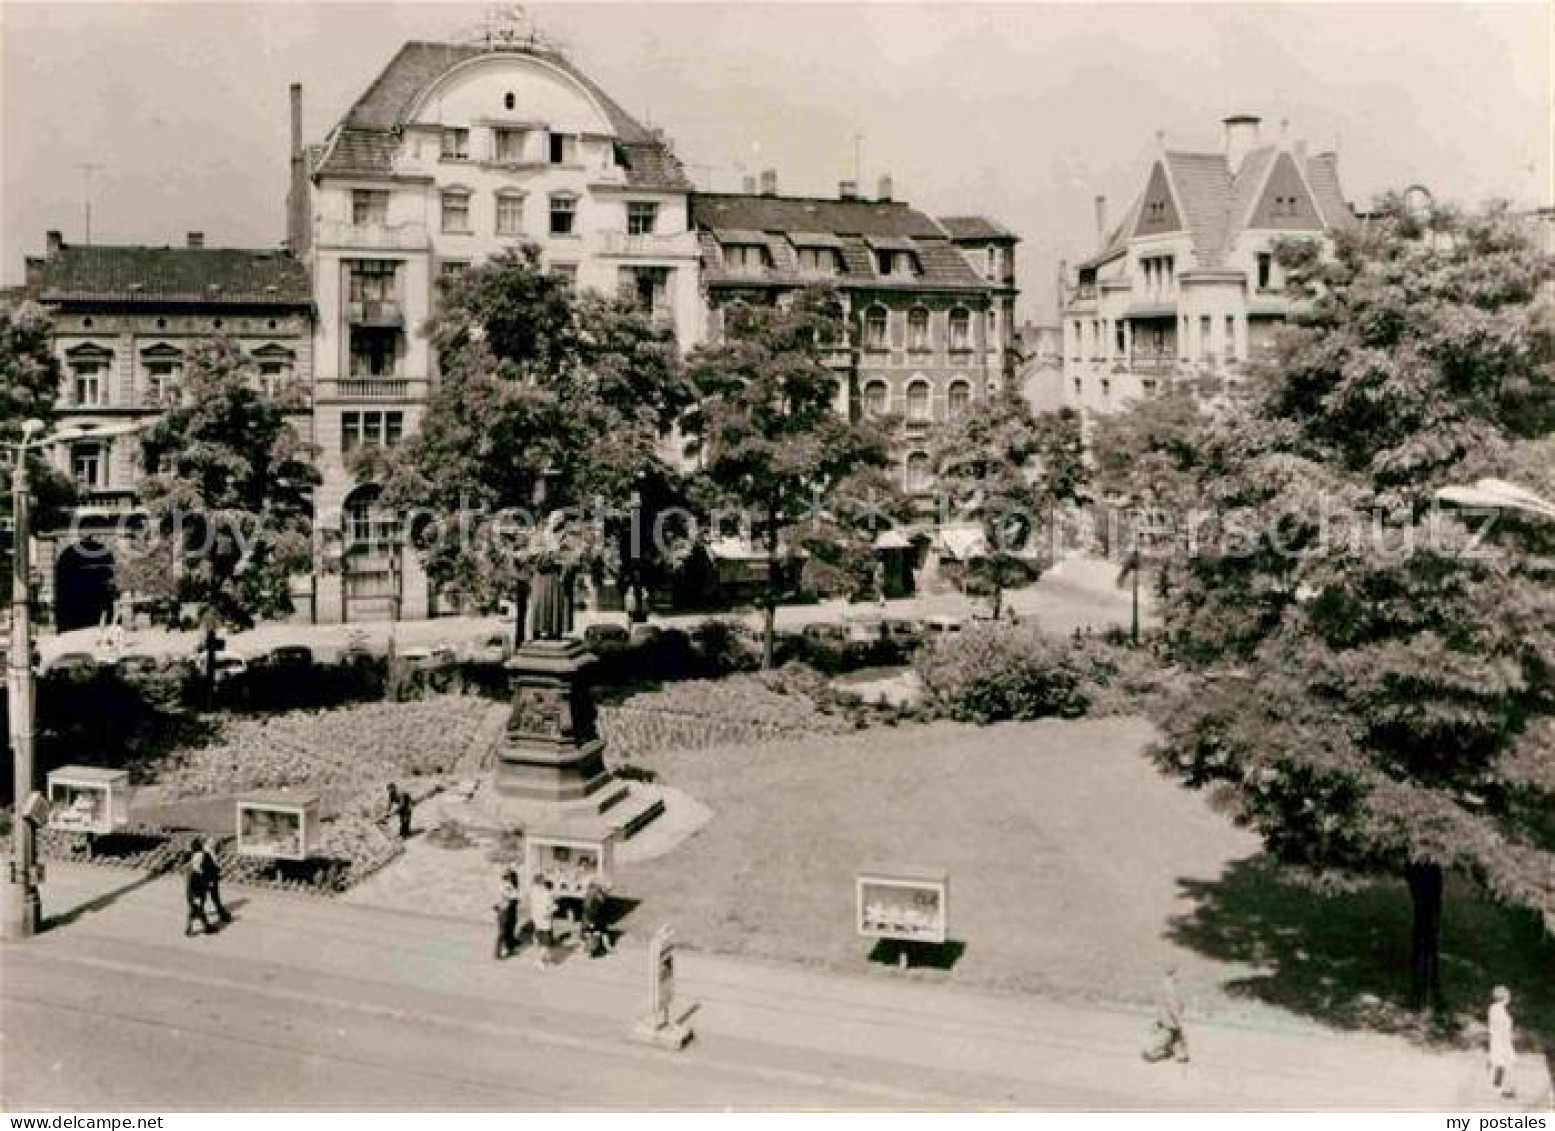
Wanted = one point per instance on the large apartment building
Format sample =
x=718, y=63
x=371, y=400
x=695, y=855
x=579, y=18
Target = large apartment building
x=1186, y=288
x=452, y=154
x=125, y=318
x=931, y=303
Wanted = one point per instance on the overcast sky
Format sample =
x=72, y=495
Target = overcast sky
x=1023, y=112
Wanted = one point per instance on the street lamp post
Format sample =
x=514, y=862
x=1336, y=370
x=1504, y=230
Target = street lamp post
x=23, y=905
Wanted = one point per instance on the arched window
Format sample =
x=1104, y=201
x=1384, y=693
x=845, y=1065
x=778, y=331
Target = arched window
x=875, y=328
x=917, y=328
x=368, y=527
x=960, y=329
x=958, y=398
x=918, y=401
x=917, y=478
x=877, y=398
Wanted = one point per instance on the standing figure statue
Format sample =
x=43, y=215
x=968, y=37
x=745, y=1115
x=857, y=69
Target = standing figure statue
x=548, y=606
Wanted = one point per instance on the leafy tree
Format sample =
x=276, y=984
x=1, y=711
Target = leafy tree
x=29, y=383
x=1009, y=470
x=768, y=436
x=548, y=400
x=1372, y=685
x=228, y=492
x=1144, y=459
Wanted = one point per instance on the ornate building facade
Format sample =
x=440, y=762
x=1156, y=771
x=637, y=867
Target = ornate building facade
x=1186, y=288
x=930, y=303
x=125, y=318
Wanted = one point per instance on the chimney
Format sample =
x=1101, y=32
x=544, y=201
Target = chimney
x=1101, y=221
x=54, y=243
x=887, y=189
x=769, y=182
x=298, y=207
x=1241, y=136
x=1300, y=149
x=750, y=186
x=847, y=190
x=196, y=239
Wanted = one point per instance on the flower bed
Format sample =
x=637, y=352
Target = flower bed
x=339, y=753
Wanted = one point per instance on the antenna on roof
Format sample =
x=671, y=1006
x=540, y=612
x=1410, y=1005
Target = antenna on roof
x=87, y=169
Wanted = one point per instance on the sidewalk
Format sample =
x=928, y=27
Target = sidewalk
x=901, y=1043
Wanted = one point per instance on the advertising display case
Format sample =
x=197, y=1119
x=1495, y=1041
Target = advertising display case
x=89, y=799
x=570, y=861
x=904, y=904
x=278, y=826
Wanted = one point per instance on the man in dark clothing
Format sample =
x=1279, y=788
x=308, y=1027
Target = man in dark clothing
x=507, y=914
x=194, y=896
x=210, y=874
x=399, y=806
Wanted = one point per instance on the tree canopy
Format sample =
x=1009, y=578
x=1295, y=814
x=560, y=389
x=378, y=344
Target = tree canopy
x=1009, y=470
x=768, y=437
x=547, y=399
x=228, y=491
x=1373, y=677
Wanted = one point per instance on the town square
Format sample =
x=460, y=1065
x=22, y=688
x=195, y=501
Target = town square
x=802, y=557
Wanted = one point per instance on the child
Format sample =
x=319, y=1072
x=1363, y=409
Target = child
x=1502, y=1054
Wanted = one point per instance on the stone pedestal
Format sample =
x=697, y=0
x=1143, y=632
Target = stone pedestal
x=550, y=765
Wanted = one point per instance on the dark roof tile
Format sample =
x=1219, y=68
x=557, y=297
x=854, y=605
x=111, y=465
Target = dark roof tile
x=975, y=228
x=240, y=276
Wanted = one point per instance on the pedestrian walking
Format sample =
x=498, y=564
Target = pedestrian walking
x=1169, y=1037
x=399, y=807
x=592, y=934
x=194, y=898
x=507, y=914
x=210, y=875
x=1502, y=1053
x=542, y=911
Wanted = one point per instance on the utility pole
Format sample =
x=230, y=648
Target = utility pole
x=23, y=905
x=87, y=169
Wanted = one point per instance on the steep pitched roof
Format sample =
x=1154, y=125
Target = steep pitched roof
x=1218, y=205
x=366, y=137
x=1203, y=184
x=975, y=228
x=206, y=275
x=856, y=228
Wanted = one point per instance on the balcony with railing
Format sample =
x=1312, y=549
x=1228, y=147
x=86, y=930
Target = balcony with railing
x=369, y=388
x=375, y=312
x=406, y=236
x=652, y=245
x=99, y=500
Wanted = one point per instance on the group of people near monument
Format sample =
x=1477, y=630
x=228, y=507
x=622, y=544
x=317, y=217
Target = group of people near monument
x=541, y=903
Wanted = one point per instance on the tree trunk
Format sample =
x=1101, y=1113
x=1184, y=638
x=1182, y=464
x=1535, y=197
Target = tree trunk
x=774, y=580
x=1425, y=975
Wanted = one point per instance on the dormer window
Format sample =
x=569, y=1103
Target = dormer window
x=817, y=260
x=1155, y=211
x=456, y=144
x=745, y=258
x=895, y=263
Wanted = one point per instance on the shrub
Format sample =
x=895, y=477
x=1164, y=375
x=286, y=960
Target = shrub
x=989, y=673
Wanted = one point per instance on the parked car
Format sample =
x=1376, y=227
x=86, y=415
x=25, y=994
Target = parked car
x=825, y=632
x=905, y=632
x=645, y=633
x=604, y=637
x=426, y=659
x=865, y=630
x=943, y=625
x=291, y=657
x=74, y=664
x=136, y=665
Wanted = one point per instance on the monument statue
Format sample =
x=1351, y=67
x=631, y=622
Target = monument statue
x=549, y=606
